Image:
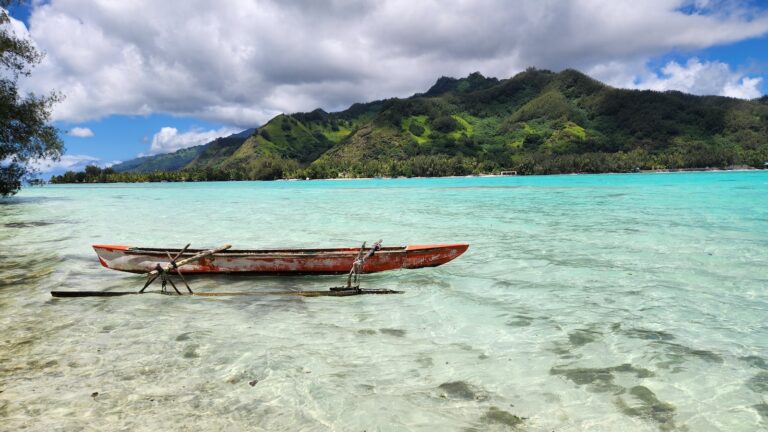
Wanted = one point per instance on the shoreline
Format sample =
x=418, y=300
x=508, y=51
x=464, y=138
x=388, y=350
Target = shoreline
x=653, y=171
x=737, y=168
x=729, y=168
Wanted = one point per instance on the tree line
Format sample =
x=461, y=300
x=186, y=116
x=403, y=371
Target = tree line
x=443, y=165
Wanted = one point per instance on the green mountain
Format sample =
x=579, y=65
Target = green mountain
x=163, y=162
x=535, y=122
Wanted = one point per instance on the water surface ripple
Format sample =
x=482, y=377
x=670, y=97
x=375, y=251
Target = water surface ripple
x=600, y=303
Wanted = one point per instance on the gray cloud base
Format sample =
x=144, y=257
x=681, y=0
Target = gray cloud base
x=240, y=62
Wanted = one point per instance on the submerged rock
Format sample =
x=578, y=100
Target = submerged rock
x=649, y=334
x=425, y=362
x=759, y=383
x=650, y=408
x=190, y=352
x=755, y=361
x=393, y=332
x=579, y=338
x=628, y=368
x=499, y=416
x=601, y=379
x=762, y=409
x=684, y=351
x=561, y=350
x=461, y=390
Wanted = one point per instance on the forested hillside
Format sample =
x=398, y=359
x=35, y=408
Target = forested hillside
x=537, y=122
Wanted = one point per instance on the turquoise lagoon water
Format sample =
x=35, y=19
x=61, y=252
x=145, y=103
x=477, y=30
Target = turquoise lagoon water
x=600, y=303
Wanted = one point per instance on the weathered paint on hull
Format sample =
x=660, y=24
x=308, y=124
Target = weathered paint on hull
x=281, y=262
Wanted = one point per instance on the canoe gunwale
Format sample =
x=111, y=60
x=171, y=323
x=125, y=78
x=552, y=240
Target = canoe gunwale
x=265, y=252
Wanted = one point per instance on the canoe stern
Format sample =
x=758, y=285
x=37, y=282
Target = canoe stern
x=418, y=256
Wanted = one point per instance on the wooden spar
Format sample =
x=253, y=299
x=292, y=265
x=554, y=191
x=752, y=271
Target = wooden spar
x=173, y=265
x=323, y=293
x=91, y=293
x=194, y=257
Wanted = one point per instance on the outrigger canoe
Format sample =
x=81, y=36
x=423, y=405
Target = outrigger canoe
x=280, y=261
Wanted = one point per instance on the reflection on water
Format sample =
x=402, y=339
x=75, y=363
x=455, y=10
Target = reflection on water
x=622, y=302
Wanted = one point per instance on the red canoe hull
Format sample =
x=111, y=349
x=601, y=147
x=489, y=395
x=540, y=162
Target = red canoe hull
x=280, y=262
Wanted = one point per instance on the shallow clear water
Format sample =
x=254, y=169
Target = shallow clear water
x=601, y=303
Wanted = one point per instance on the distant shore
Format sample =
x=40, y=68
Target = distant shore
x=651, y=171
x=729, y=168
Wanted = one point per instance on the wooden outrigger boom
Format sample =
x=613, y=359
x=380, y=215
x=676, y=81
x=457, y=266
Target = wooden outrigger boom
x=318, y=293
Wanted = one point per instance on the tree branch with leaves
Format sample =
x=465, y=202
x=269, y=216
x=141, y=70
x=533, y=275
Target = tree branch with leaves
x=25, y=131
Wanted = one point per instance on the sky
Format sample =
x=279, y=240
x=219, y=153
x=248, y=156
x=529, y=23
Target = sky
x=142, y=77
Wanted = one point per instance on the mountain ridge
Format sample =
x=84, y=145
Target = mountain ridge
x=535, y=122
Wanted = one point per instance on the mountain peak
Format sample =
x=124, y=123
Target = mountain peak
x=473, y=82
x=318, y=114
x=576, y=83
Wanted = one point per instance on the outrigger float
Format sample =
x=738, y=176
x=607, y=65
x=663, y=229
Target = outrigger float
x=159, y=263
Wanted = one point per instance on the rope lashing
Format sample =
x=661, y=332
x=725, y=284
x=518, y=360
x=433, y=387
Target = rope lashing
x=357, y=265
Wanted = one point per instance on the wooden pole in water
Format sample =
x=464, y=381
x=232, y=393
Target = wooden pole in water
x=323, y=293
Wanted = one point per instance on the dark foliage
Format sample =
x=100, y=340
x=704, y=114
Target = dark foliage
x=445, y=124
x=416, y=129
x=25, y=134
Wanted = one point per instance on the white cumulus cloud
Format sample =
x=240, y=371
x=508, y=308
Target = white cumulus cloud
x=168, y=139
x=743, y=88
x=240, y=62
x=693, y=76
x=81, y=132
x=66, y=162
